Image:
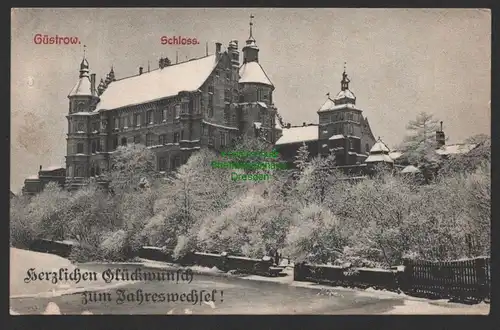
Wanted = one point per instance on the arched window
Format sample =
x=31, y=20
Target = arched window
x=124, y=141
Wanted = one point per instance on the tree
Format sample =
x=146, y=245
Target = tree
x=419, y=146
x=130, y=166
x=302, y=157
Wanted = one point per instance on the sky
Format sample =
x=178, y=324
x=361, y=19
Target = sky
x=400, y=62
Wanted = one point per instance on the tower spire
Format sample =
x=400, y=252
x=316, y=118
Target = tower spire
x=344, y=83
x=251, y=24
x=84, y=66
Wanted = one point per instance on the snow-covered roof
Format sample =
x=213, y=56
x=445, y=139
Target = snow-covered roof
x=82, y=87
x=337, y=137
x=157, y=84
x=410, y=169
x=278, y=125
x=379, y=158
x=32, y=177
x=345, y=94
x=329, y=105
x=298, y=134
x=52, y=168
x=379, y=147
x=252, y=72
x=82, y=114
x=395, y=154
x=455, y=149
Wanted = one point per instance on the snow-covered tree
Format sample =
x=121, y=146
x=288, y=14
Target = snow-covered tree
x=131, y=165
x=302, y=157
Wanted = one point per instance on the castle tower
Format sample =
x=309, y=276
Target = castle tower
x=342, y=127
x=258, y=115
x=82, y=100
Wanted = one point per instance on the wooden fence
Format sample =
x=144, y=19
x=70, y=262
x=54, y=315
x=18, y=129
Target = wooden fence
x=463, y=279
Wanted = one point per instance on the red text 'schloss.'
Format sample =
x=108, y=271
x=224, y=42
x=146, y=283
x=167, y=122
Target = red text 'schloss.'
x=44, y=39
x=179, y=41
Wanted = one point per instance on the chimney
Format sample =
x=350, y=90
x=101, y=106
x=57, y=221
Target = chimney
x=440, y=136
x=92, y=84
x=40, y=167
x=161, y=63
x=140, y=70
x=304, y=124
x=288, y=125
x=217, y=47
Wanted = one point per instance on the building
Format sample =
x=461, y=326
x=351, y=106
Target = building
x=174, y=109
x=35, y=184
x=342, y=130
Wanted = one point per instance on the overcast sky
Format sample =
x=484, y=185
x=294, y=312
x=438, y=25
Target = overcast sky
x=400, y=62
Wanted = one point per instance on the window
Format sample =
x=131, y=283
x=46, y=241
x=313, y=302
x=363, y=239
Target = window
x=265, y=95
x=97, y=170
x=137, y=139
x=227, y=95
x=137, y=119
x=149, y=140
x=367, y=148
x=124, y=141
x=94, y=147
x=164, y=115
x=235, y=95
x=202, y=104
x=92, y=171
x=176, y=137
x=182, y=135
x=177, y=111
x=163, y=139
x=125, y=122
x=222, y=139
x=78, y=172
x=351, y=129
x=131, y=120
x=79, y=148
x=341, y=116
x=211, y=88
x=227, y=113
x=162, y=164
x=217, y=73
x=115, y=142
x=204, y=130
x=241, y=98
x=149, y=118
x=210, y=105
x=95, y=127
x=117, y=123
x=100, y=145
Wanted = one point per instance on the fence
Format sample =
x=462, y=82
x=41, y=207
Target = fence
x=346, y=276
x=463, y=279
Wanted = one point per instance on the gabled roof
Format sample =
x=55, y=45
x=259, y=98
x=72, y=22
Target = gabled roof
x=82, y=88
x=157, y=84
x=379, y=148
x=252, y=72
x=298, y=134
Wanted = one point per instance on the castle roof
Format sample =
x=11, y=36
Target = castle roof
x=157, y=84
x=252, y=72
x=298, y=134
x=379, y=148
x=454, y=149
x=345, y=94
x=82, y=87
x=329, y=105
